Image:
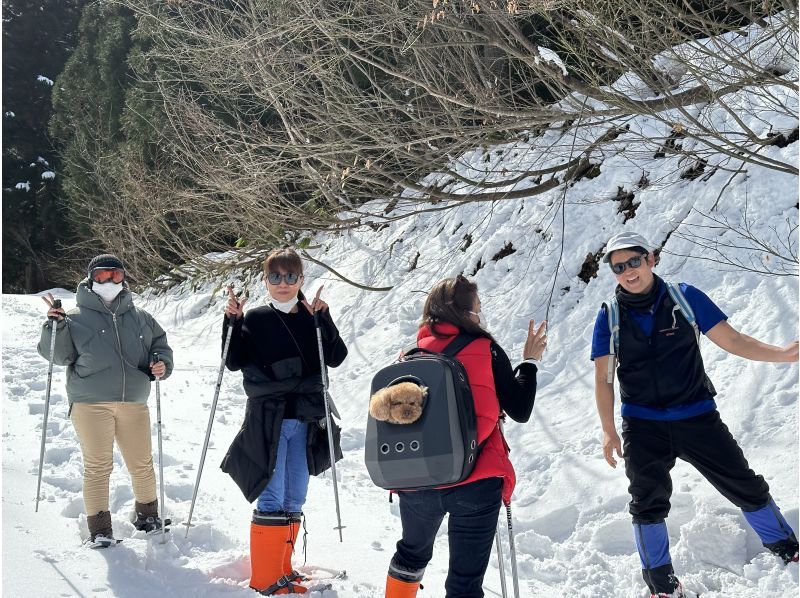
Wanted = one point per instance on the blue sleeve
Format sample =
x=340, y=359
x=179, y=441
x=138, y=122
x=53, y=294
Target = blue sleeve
x=705, y=310
x=601, y=337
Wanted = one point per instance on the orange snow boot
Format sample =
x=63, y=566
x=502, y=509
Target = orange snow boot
x=269, y=540
x=396, y=588
x=294, y=530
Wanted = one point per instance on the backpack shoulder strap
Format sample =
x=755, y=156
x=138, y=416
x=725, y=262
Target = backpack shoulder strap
x=679, y=299
x=612, y=313
x=459, y=343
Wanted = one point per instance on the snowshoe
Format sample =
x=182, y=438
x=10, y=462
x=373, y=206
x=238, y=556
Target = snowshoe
x=297, y=577
x=151, y=524
x=145, y=518
x=282, y=586
x=319, y=587
x=101, y=542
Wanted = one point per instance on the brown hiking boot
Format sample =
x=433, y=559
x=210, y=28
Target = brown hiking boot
x=147, y=509
x=147, y=519
x=100, y=526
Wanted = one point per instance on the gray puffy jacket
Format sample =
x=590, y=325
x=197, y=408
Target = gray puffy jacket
x=107, y=350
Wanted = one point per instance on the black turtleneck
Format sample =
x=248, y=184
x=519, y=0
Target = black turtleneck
x=640, y=301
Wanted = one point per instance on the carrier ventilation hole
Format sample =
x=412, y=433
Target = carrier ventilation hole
x=399, y=447
x=414, y=445
x=471, y=458
x=384, y=448
x=472, y=445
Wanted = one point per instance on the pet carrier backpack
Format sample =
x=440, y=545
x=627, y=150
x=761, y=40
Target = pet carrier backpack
x=439, y=448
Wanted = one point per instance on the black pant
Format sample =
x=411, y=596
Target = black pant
x=651, y=447
x=473, y=509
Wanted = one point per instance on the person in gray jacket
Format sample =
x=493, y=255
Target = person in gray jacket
x=108, y=346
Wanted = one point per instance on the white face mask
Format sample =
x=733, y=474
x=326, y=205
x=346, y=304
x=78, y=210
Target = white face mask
x=284, y=306
x=108, y=291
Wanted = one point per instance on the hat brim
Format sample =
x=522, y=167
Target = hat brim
x=607, y=256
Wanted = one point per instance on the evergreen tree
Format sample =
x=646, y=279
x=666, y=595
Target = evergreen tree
x=37, y=38
x=88, y=103
x=110, y=122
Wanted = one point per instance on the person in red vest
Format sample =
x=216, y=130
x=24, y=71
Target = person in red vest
x=453, y=307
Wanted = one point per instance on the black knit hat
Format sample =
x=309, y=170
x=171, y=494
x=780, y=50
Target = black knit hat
x=105, y=260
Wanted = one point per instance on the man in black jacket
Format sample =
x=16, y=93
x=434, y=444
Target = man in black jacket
x=668, y=407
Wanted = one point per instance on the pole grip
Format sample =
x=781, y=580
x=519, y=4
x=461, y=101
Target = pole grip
x=56, y=305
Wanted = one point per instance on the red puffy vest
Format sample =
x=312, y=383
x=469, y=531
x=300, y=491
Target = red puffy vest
x=493, y=459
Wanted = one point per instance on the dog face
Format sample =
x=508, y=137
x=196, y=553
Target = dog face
x=398, y=404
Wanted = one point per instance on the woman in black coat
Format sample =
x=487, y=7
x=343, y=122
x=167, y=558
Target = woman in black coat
x=280, y=443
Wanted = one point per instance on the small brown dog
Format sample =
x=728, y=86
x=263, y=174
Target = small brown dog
x=398, y=404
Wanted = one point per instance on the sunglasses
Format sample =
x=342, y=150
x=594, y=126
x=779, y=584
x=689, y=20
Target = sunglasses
x=276, y=278
x=102, y=275
x=634, y=262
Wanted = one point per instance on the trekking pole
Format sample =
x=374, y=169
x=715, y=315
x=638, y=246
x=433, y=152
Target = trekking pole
x=156, y=359
x=512, y=549
x=328, y=422
x=231, y=322
x=501, y=562
x=53, y=325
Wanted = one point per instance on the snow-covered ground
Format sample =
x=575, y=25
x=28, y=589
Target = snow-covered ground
x=572, y=528
x=571, y=524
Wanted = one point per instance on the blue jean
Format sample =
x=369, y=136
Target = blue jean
x=288, y=485
x=473, y=510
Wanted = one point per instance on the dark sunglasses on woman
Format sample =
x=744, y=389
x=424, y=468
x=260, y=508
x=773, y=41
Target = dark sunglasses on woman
x=634, y=262
x=276, y=277
x=101, y=275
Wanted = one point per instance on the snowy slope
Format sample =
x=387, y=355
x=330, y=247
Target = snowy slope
x=570, y=516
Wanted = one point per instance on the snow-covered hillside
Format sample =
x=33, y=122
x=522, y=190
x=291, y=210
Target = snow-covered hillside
x=532, y=259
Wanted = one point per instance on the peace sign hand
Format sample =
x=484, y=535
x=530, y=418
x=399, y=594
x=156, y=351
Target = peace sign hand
x=234, y=307
x=316, y=305
x=53, y=312
x=536, y=343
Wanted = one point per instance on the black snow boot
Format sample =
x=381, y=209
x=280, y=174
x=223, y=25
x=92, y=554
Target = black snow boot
x=100, y=533
x=147, y=519
x=786, y=549
x=662, y=582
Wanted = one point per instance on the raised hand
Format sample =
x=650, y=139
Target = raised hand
x=317, y=304
x=536, y=342
x=234, y=307
x=53, y=312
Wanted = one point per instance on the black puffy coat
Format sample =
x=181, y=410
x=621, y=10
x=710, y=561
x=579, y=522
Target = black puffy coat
x=279, y=360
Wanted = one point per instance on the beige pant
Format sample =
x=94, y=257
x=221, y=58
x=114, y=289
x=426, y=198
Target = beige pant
x=97, y=425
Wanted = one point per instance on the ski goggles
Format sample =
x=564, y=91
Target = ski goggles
x=276, y=278
x=101, y=275
x=634, y=262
